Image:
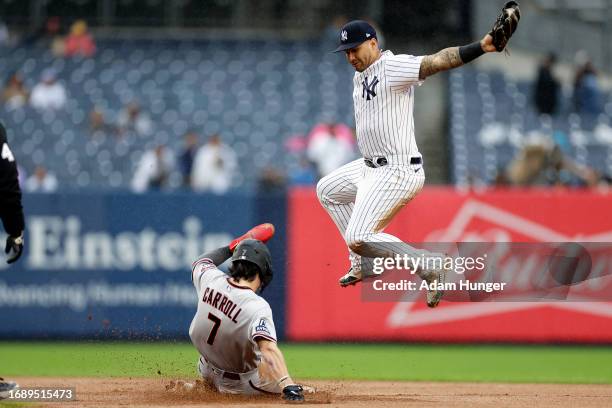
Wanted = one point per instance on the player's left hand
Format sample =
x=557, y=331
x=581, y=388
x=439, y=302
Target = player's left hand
x=487, y=44
x=262, y=232
x=14, y=248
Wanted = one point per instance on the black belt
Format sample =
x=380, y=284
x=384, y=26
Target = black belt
x=228, y=375
x=382, y=161
x=231, y=376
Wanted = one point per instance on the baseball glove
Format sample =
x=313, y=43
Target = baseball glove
x=505, y=25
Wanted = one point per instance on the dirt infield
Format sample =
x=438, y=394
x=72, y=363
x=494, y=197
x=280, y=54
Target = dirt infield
x=139, y=392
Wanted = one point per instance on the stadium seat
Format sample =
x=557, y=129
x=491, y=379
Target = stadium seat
x=481, y=101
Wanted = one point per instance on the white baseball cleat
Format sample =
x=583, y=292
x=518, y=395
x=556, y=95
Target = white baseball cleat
x=6, y=387
x=435, y=294
x=352, y=277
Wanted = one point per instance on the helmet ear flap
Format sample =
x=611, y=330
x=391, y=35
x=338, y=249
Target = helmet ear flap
x=266, y=277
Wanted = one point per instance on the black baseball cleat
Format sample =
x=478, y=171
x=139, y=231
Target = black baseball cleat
x=6, y=387
x=352, y=277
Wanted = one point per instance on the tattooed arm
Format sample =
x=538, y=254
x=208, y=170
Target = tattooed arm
x=446, y=59
x=454, y=57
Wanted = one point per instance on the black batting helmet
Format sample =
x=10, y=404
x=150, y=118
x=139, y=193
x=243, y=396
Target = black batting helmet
x=256, y=252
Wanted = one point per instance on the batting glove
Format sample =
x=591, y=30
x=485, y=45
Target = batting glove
x=14, y=248
x=262, y=232
x=293, y=393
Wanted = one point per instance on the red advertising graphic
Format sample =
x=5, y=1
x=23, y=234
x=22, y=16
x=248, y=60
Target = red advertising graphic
x=319, y=309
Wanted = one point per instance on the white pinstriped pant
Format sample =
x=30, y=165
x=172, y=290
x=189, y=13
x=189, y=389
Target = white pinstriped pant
x=362, y=201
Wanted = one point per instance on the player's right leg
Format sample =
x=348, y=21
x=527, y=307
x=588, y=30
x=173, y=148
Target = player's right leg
x=337, y=192
x=205, y=371
x=224, y=385
x=383, y=192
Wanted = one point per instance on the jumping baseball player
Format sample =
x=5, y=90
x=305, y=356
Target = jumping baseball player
x=233, y=328
x=11, y=213
x=363, y=196
x=11, y=210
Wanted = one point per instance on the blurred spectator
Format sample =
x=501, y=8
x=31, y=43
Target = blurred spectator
x=52, y=32
x=587, y=95
x=547, y=87
x=46, y=33
x=271, y=180
x=214, y=166
x=5, y=37
x=191, y=142
x=48, y=94
x=41, y=181
x=52, y=28
x=153, y=170
x=529, y=168
x=131, y=118
x=14, y=95
x=98, y=126
x=22, y=175
x=539, y=165
x=501, y=178
x=304, y=175
x=565, y=171
x=330, y=146
x=79, y=41
x=96, y=119
x=296, y=144
x=603, y=131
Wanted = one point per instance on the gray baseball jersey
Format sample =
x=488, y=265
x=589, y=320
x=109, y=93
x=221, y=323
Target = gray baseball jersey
x=228, y=321
x=383, y=97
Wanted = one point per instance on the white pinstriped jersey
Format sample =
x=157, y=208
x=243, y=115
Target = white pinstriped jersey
x=228, y=321
x=383, y=97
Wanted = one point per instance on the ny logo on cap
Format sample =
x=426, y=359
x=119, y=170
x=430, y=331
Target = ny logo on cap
x=344, y=35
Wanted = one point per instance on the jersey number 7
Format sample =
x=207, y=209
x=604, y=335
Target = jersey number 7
x=213, y=333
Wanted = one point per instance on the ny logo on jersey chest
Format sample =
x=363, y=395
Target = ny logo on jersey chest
x=369, y=88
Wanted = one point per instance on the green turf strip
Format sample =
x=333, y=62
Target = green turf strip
x=323, y=361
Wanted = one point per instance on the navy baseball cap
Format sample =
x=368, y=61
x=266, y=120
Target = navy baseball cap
x=354, y=33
